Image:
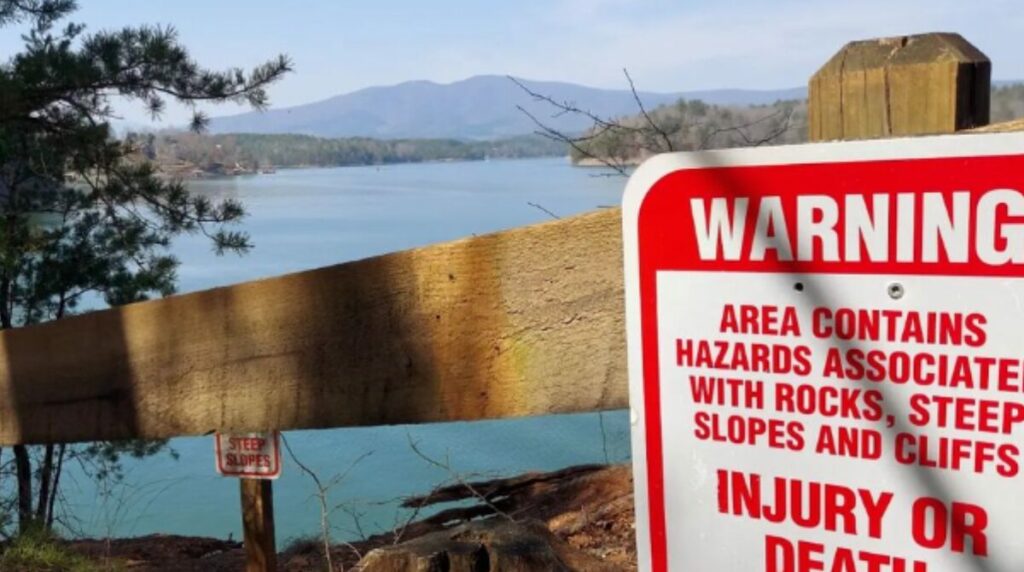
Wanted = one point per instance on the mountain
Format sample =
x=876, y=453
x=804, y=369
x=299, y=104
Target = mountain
x=481, y=107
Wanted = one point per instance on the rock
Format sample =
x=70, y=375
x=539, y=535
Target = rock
x=492, y=545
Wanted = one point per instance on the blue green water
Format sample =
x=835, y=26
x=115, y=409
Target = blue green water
x=306, y=218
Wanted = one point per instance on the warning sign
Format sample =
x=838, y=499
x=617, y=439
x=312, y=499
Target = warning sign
x=826, y=356
x=249, y=455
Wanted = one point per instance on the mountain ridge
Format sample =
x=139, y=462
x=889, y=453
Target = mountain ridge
x=477, y=108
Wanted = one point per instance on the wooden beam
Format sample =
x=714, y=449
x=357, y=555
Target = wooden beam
x=523, y=322
x=908, y=85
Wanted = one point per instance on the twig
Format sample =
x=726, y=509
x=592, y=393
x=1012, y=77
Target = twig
x=566, y=107
x=614, y=142
x=643, y=111
x=741, y=130
x=556, y=135
x=322, y=491
x=446, y=466
x=539, y=207
x=413, y=515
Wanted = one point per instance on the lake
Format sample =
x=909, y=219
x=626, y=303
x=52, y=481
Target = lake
x=307, y=218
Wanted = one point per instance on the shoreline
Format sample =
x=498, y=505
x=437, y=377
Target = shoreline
x=223, y=176
x=590, y=163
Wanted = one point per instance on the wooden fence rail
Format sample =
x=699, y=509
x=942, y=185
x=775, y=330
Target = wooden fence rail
x=523, y=322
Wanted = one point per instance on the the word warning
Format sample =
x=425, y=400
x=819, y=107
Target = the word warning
x=826, y=350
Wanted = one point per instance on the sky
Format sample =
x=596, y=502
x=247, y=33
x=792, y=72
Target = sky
x=342, y=45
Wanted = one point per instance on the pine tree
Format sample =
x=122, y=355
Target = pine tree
x=78, y=220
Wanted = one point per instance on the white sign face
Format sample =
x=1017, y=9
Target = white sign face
x=826, y=356
x=249, y=455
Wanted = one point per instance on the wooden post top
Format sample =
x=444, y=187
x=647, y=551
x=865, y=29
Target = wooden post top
x=907, y=85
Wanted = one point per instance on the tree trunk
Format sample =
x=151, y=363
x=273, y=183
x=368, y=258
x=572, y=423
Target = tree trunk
x=23, y=467
x=45, y=478
x=56, y=485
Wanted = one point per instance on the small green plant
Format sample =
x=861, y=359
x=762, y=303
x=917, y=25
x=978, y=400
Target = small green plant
x=37, y=550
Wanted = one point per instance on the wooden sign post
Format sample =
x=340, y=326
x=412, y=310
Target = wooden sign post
x=896, y=87
x=258, y=524
x=256, y=459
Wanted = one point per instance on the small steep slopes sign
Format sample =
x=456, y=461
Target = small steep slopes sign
x=249, y=455
x=826, y=356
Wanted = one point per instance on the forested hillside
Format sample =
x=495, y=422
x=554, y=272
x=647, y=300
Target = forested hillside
x=691, y=125
x=186, y=153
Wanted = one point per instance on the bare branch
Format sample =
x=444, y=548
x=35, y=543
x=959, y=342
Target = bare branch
x=541, y=208
x=556, y=135
x=741, y=130
x=565, y=107
x=321, y=494
x=647, y=116
x=620, y=143
x=470, y=487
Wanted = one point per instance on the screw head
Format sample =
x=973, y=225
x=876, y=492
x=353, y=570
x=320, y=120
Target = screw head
x=896, y=290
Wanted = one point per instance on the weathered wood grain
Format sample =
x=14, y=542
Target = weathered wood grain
x=523, y=322
x=890, y=87
x=257, y=497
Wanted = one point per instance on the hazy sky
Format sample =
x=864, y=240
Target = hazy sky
x=342, y=45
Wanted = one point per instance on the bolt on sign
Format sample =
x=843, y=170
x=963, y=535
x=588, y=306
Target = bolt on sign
x=826, y=356
x=249, y=455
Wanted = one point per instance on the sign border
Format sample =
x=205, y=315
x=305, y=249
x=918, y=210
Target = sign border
x=651, y=536
x=243, y=475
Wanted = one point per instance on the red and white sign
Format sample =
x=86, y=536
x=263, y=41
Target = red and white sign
x=826, y=356
x=249, y=455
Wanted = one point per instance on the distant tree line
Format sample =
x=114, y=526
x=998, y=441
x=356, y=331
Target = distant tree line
x=1007, y=103
x=255, y=151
